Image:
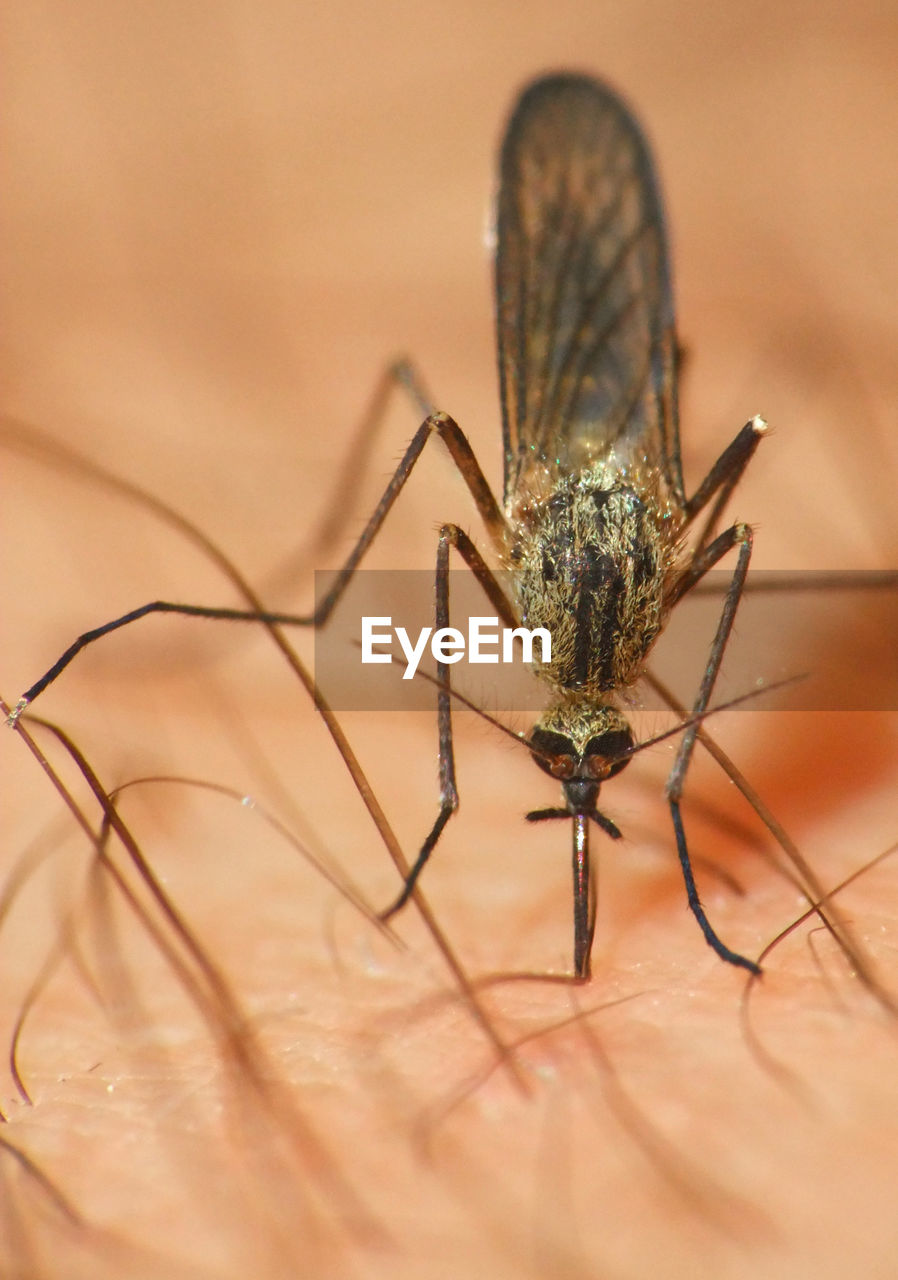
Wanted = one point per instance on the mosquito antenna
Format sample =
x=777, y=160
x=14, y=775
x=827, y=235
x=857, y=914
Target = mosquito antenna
x=522, y=739
x=742, y=698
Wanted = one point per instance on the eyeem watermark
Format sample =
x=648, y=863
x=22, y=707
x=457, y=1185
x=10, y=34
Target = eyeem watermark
x=485, y=642
x=782, y=631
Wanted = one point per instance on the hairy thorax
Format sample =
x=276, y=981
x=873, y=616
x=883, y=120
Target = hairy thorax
x=591, y=562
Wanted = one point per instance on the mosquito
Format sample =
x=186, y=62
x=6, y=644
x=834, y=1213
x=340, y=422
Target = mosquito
x=595, y=528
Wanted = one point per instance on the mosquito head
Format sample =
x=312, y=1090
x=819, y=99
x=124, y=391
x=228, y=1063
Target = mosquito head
x=582, y=745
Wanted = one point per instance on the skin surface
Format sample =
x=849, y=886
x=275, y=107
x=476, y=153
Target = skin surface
x=218, y=233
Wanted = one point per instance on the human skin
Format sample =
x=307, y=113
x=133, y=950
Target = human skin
x=219, y=245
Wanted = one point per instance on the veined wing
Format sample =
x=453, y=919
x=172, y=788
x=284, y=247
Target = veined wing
x=583, y=297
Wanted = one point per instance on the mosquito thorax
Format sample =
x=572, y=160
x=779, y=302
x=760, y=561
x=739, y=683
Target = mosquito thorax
x=590, y=562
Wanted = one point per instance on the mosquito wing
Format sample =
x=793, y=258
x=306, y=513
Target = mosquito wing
x=583, y=298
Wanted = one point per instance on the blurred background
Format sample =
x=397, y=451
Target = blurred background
x=221, y=221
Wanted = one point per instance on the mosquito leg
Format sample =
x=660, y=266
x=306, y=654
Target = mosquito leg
x=818, y=581
x=435, y=424
x=704, y=559
x=402, y=376
x=723, y=478
x=797, y=871
x=448, y=788
x=155, y=606
x=739, y=535
x=450, y=536
x=469, y=468
x=492, y=588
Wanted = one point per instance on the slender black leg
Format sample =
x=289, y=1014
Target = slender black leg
x=450, y=536
x=723, y=478
x=401, y=375
x=463, y=456
x=435, y=424
x=155, y=606
x=739, y=535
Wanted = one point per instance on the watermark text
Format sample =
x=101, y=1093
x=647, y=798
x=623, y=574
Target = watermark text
x=485, y=642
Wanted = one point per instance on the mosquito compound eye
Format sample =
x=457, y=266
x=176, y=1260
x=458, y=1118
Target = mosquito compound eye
x=606, y=755
x=561, y=767
x=554, y=753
